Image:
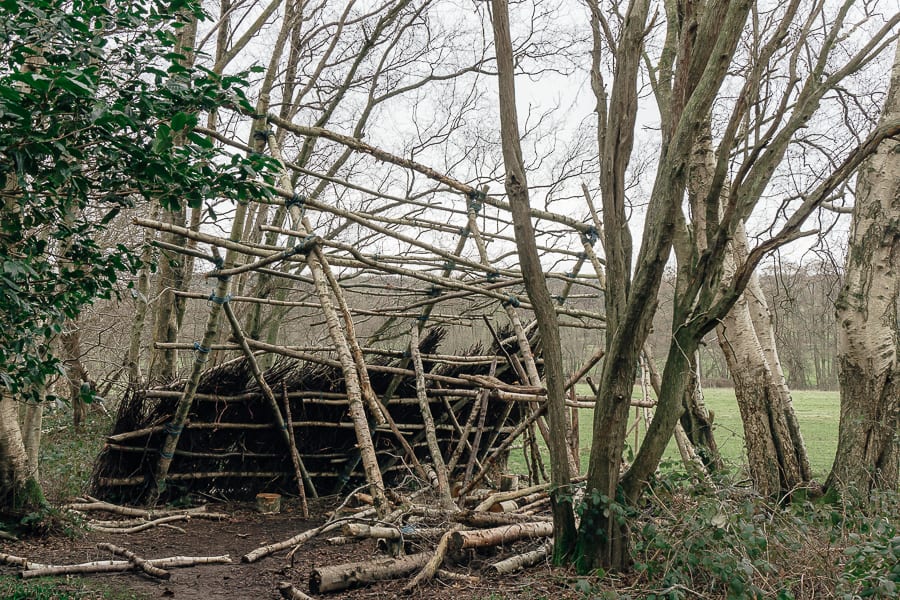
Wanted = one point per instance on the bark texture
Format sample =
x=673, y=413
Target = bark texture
x=776, y=452
x=765, y=432
x=868, y=452
x=31, y=433
x=536, y=286
x=174, y=268
x=19, y=489
x=76, y=374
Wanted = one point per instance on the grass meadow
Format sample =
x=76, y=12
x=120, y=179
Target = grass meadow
x=817, y=411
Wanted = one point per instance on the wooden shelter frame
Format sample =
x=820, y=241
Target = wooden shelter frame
x=462, y=274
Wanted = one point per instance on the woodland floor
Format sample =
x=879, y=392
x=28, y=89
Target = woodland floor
x=243, y=532
x=806, y=552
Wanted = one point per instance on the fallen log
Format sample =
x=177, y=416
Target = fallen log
x=117, y=566
x=341, y=577
x=361, y=530
x=300, y=538
x=19, y=561
x=97, y=566
x=483, y=520
x=521, y=561
x=526, y=500
x=340, y=540
x=433, y=564
x=499, y=497
x=136, y=560
x=534, y=507
x=495, y=498
x=504, y=507
x=129, y=511
x=479, y=538
x=156, y=523
x=451, y=576
x=190, y=561
x=289, y=592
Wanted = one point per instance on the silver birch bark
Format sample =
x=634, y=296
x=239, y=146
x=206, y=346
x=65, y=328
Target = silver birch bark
x=868, y=452
x=19, y=488
x=775, y=450
x=173, y=267
x=31, y=433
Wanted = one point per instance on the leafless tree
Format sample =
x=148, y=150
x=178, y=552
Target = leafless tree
x=756, y=125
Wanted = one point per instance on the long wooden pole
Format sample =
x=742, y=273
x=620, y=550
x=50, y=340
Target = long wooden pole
x=349, y=367
x=437, y=459
x=280, y=423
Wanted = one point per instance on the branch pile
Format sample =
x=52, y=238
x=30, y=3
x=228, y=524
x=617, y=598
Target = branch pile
x=141, y=519
x=501, y=534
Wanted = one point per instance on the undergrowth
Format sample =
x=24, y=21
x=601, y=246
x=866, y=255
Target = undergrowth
x=723, y=541
x=72, y=588
x=67, y=456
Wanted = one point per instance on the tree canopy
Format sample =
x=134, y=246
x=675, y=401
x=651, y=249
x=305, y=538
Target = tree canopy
x=92, y=97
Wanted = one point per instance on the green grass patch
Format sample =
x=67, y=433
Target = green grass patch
x=818, y=413
x=71, y=588
x=67, y=456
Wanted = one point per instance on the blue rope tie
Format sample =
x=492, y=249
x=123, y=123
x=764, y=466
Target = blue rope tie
x=261, y=135
x=422, y=318
x=464, y=232
x=591, y=235
x=450, y=265
x=493, y=276
x=434, y=292
x=201, y=348
x=219, y=299
x=173, y=429
x=476, y=200
x=298, y=200
x=512, y=301
x=304, y=246
x=166, y=454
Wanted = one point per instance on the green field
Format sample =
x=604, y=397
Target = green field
x=817, y=411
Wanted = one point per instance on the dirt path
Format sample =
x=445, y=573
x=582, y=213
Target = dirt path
x=247, y=530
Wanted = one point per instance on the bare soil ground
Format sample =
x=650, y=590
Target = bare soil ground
x=246, y=530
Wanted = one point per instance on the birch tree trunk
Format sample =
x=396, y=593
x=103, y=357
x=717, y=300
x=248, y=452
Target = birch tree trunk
x=31, y=433
x=170, y=265
x=868, y=452
x=776, y=452
x=174, y=267
x=765, y=333
x=20, y=490
x=757, y=399
x=141, y=303
x=76, y=374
